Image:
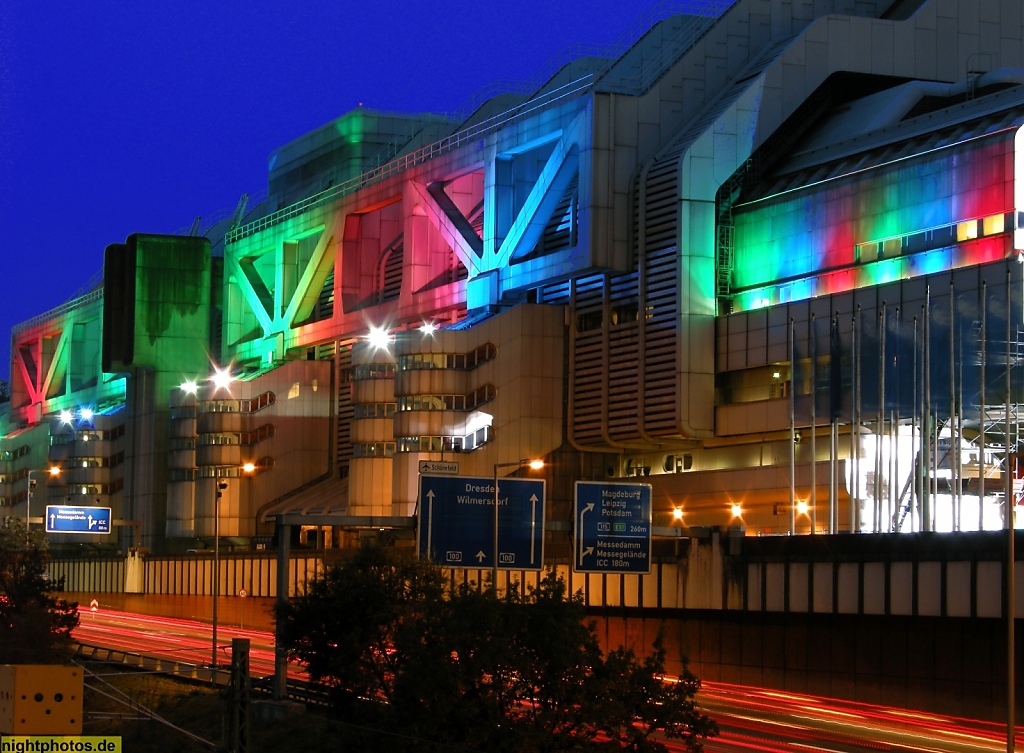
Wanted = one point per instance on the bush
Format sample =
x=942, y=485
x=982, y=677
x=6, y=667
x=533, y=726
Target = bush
x=522, y=671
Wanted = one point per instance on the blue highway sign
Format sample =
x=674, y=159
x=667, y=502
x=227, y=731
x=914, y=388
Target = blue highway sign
x=613, y=528
x=69, y=519
x=456, y=522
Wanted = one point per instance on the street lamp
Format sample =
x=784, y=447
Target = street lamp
x=221, y=486
x=536, y=465
x=53, y=471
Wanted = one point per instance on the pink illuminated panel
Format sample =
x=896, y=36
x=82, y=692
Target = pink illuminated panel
x=949, y=207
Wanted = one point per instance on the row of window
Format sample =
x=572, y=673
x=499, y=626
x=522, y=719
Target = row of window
x=90, y=435
x=67, y=464
x=374, y=410
x=182, y=412
x=84, y=490
x=456, y=361
x=447, y=402
x=467, y=443
x=241, y=405
x=93, y=462
x=425, y=402
x=364, y=371
x=431, y=444
x=927, y=240
x=247, y=438
x=16, y=453
x=373, y=450
x=216, y=471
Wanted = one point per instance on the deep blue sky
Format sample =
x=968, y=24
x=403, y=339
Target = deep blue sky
x=118, y=118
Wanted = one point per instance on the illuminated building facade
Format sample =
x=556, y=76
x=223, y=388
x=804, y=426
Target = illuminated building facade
x=765, y=260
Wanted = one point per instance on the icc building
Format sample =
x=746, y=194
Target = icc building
x=767, y=259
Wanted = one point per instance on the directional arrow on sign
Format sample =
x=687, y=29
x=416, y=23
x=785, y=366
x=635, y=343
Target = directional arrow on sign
x=613, y=527
x=457, y=515
x=589, y=550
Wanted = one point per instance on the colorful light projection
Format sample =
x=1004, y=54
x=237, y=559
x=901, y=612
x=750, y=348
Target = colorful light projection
x=808, y=241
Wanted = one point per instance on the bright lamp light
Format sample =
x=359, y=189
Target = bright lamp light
x=379, y=338
x=221, y=378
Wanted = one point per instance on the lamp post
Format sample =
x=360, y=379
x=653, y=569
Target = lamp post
x=248, y=468
x=220, y=379
x=53, y=471
x=536, y=465
x=219, y=489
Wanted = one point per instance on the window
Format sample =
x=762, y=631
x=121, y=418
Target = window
x=373, y=450
x=458, y=361
x=447, y=402
x=994, y=224
x=366, y=371
x=374, y=410
x=966, y=231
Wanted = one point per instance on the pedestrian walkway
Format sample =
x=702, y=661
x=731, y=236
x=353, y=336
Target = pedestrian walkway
x=232, y=611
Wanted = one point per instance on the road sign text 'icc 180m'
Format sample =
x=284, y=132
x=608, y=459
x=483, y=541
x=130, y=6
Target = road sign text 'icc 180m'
x=456, y=522
x=613, y=528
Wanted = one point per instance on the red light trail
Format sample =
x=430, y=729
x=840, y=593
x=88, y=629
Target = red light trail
x=754, y=719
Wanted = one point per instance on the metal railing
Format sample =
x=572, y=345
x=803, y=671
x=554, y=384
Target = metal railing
x=704, y=12
x=53, y=313
x=557, y=96
x=703, y=17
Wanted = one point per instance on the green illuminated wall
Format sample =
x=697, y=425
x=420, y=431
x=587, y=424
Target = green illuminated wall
x=157, y=310
x=156, y=325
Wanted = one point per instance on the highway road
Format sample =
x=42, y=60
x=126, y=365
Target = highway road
x=751, y=719
x=774, y=721
x=184, y=640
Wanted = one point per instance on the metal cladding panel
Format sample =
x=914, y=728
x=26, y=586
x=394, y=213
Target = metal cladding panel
x=118, y=307
x=171, y=301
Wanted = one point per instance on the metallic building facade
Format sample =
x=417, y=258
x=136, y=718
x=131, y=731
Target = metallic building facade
x=765, y=259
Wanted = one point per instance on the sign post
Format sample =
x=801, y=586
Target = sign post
x=456, y=522
x=613, y=528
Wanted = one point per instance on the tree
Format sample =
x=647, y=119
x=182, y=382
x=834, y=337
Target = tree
x=35, y=626
x=465, y=667
x=342, y=629
x=638, y=700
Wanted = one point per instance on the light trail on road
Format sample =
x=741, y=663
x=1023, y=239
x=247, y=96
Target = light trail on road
x=751, y=719
x=175, y=638
x=773, y=721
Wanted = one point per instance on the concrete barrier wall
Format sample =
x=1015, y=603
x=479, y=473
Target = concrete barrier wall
x=955, y=666
x=944, y=575
x=256, y=574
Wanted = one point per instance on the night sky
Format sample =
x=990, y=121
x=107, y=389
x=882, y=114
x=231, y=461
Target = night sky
x=118, y=118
